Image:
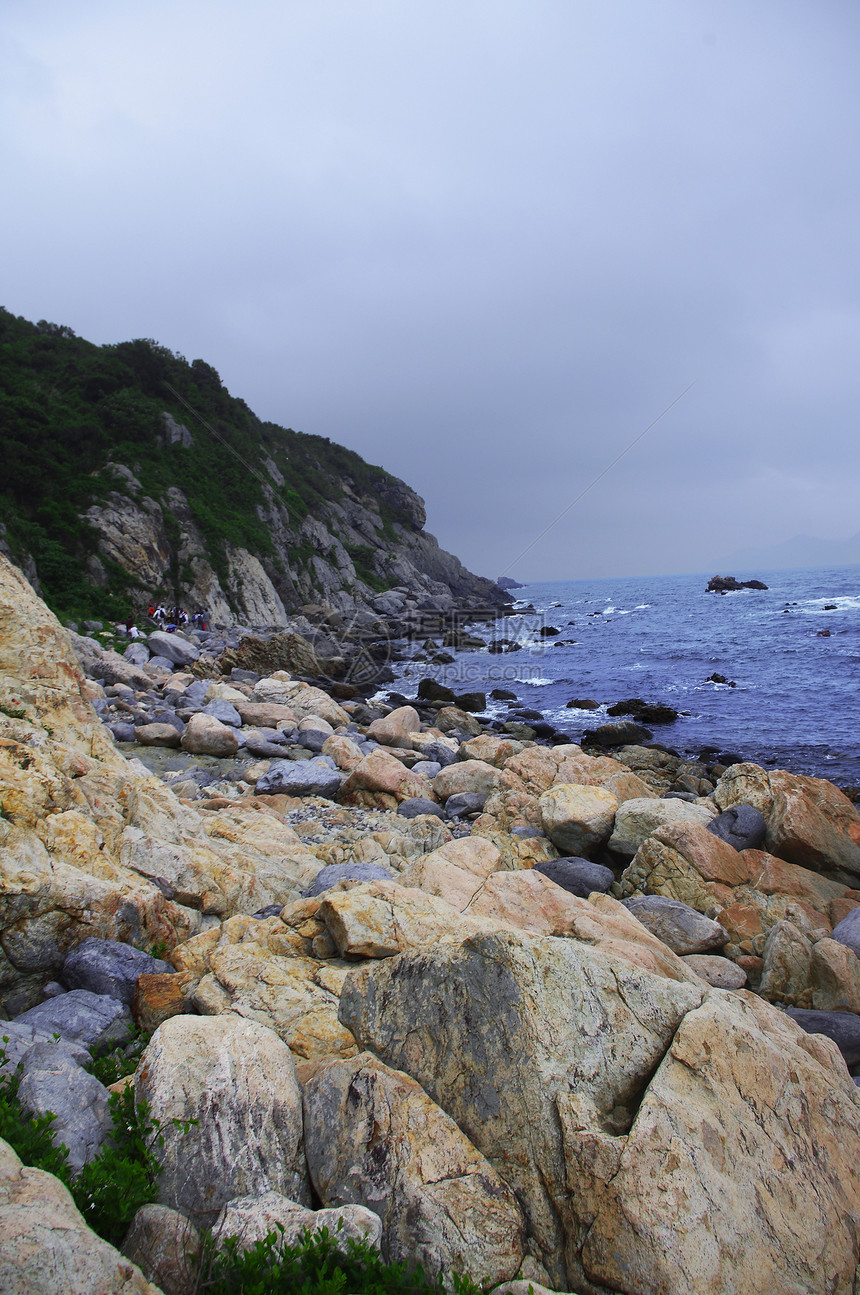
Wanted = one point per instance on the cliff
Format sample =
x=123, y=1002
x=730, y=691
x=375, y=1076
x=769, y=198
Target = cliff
x=132, y=474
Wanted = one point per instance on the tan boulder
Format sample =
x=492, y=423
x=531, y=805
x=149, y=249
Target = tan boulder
x=450, y=719
x=343, y=751
x=378, y=919
x=156, y=735
x=302, y=699
x=46, y=1246
x=809, y=821
x=646, y=1110
x=577, y=818
x=263, y=714
x=490, y=749
x=237, y=1081
x=474, y=853
x=394, y=728
x=467, y=776
x=206, y=735
x=165, y=1246
x=720, y=972
x=382, y=781
x=747, y=892
x=807, y=969
x=251, y=1219
x=637, y=819
x=267, y=970
x=553, y=1021
x=374, y=1138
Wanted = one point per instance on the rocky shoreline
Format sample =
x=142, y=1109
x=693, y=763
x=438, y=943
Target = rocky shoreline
x=519, y=1009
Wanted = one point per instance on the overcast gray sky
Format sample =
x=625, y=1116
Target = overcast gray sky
x=483, y=242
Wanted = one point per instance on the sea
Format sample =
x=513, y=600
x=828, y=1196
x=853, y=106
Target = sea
x=791, y=651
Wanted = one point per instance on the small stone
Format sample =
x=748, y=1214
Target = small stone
x=418, y=805
x=678, y=925
x=743, y=826
x=205, y=735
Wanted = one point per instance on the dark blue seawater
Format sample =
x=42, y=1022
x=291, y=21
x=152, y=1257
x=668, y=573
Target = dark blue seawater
x=796, y=703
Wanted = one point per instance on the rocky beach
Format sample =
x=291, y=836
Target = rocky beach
x=584, y=1019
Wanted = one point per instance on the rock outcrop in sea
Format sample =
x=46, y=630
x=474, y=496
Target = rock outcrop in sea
x=371, y=1005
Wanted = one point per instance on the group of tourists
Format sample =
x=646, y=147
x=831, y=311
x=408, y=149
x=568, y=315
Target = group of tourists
x=173, y=618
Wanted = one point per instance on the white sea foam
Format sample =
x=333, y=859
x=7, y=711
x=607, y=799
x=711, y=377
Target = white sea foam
x=535, y=683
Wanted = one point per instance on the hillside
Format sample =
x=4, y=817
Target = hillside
x=132, y=474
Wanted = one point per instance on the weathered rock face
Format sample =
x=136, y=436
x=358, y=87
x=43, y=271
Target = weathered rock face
x=746, y=892
x=577, y=818
x=644, y=1112
x=502, y=1014
x=45, y=1245
x=637, y=819
x=147, y=537
x=809, y=821
x=373, y=1137
x=238, y=1081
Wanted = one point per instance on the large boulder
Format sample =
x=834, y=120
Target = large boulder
x=109, y=967
x=645, y=1110
x=94, y=1020
x=394, y=728
x=577, y=818
x=637, y=819
x=46, y=1247
x=809, y=821
x=470, y=777
x=676, y=924
x=381, y=781
x=373, y=1137
x=51, y=1080
x=173, y=646
x=236, y=1080
x=746, y=892
x=250, y=1219
x=205, y=735
x=299, y=778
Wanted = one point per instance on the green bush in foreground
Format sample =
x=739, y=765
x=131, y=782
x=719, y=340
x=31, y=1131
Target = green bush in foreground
x=110, y=1189
x=318, y=1264
x=116, y=1182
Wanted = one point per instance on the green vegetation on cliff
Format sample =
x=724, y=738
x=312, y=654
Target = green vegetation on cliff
x=69, y=409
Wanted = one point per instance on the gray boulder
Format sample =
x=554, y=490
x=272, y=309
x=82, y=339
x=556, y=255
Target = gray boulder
x=223, y=711
x=464, y=803
x=17, y=1038
x=165, y=1246
x=174, y=647
x=678, y=925
x=94, y=1020
x=300, y=778
x=109, y=967
x=122, y=732
x=161, y=662
x=52, y=1080
x=743, y=826
x=260, y=746
x=418, y=805
x=847, y=931
x=427, y=768
x=842, y=1027
x=137, y=653
x=335, y=872
x=439, y=754
x=578, y=876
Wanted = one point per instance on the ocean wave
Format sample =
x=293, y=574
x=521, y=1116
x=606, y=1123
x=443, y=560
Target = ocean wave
x=535, y=683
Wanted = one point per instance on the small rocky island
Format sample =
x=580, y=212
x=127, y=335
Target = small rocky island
x=729, y=585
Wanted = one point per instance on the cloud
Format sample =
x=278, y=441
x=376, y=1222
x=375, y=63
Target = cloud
x=484, y=245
